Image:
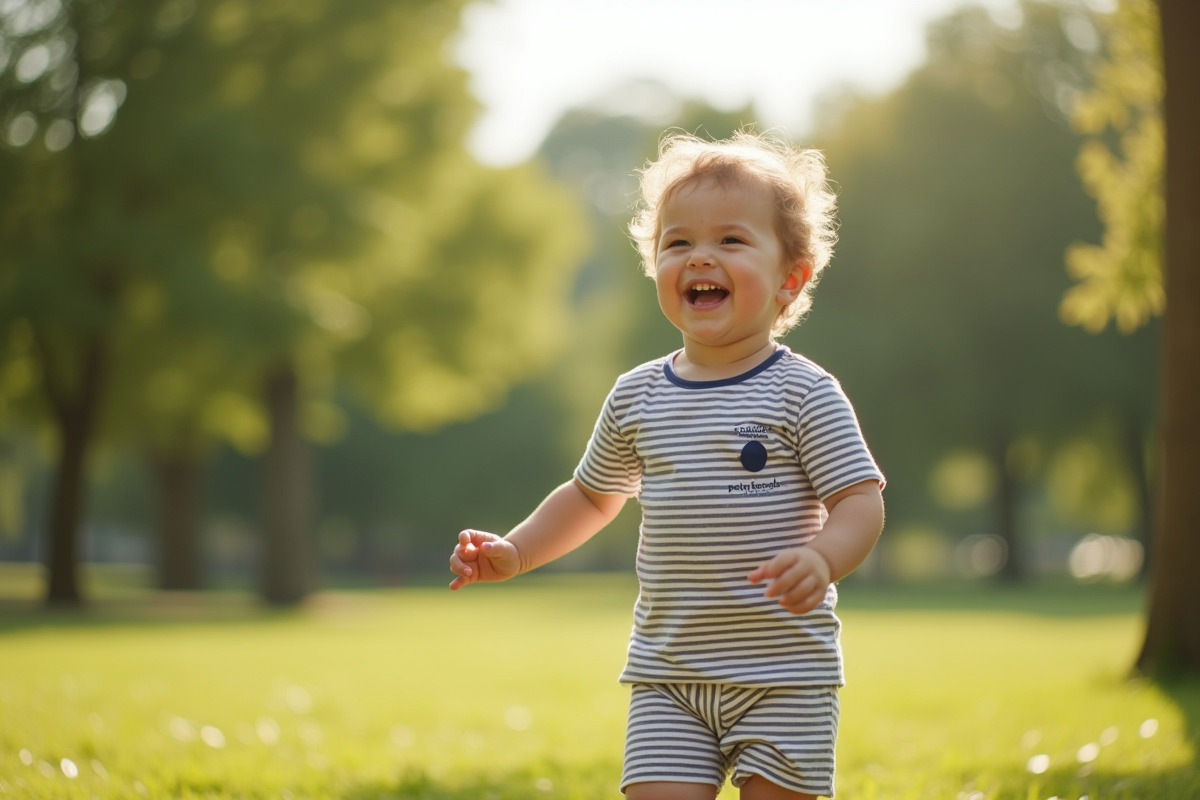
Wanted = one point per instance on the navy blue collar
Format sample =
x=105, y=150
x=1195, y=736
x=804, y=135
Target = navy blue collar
x=684, y=383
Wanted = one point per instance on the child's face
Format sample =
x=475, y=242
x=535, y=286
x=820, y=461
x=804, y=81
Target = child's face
x=720, y=270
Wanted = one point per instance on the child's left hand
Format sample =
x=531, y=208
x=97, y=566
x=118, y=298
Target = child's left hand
x=799, y=577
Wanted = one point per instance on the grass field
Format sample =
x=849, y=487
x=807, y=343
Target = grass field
x=509, y=692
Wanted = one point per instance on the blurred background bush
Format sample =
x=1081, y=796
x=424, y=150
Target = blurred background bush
x=267, y=322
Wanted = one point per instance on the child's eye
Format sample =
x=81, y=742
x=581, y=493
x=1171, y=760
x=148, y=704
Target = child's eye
x=733, y=240
x=677, y=243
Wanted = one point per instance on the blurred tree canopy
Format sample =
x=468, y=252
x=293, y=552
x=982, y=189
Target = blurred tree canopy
x=1121, y=164
x=958, y=199
x=221, y=212
x=349, y=286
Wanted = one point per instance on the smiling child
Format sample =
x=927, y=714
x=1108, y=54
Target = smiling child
x=758, y=491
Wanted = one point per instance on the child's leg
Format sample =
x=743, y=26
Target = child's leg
x=664, y=790
x=759, y=788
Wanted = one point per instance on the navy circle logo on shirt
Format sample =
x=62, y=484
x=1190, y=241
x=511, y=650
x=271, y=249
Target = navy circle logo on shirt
x=753, y=456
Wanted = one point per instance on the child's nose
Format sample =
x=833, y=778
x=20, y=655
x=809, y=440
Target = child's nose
x=700, y=256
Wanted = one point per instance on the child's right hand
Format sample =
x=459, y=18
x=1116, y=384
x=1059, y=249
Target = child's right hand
x=482, y=556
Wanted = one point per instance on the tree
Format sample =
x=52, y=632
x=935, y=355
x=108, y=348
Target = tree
x=1173, y=631
x=940, y=312
x=285, y=200
x=1146, y=91
x=64, y=267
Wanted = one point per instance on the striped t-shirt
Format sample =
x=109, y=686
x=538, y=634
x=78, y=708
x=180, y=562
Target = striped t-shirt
x=728, y=474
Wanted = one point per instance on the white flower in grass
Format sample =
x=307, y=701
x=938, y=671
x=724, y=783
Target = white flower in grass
x=212, y=737
x=518, y=718
x=1038, y=764
x=298, y=699
x=267, y=730
x=403, y=736
x=68, y=768
x=181, y=729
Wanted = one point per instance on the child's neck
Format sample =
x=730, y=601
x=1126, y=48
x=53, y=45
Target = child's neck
x=698, y=363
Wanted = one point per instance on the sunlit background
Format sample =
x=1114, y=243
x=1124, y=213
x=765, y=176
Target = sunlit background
x=532, y=60
x=292, y=292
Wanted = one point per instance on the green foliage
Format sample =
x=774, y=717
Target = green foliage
x=939, y=314
x=940, y=311
x=209, y=195
x=1088, y=482
x=511, y=692
x=1121, y=165
x=271, y=182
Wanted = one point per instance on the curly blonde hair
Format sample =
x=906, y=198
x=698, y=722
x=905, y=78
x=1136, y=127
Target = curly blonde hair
x=796, y=177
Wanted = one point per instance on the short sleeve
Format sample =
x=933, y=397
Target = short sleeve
x=610, y=463
x=830, y=443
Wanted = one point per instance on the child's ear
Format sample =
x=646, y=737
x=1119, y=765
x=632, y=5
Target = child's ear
x=797, y=279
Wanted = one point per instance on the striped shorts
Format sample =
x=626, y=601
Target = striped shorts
x=700, y=732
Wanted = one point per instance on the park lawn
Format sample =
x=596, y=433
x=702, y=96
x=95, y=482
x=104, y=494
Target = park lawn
x=509, y=692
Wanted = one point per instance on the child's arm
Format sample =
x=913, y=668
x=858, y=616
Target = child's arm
x=567, y=518
x=799, y=576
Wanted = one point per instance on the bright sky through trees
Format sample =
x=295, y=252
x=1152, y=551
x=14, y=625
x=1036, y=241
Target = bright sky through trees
x=532, y=59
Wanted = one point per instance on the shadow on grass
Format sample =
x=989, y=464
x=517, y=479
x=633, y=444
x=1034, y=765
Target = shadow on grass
x=1054, y=598
x=156, y=608
x=116, y=603
x=594, y=782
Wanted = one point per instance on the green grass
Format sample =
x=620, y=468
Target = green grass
x=510, y=692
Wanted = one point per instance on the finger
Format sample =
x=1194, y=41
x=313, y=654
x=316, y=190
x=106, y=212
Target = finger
x=471, y=539
x=496, y=549
x=773, y=568
x=803, y=606
x=800, y=591
x=463, y=573
x=464, y=546
x=790, y=582
x=460, y=567
x=501, y=555
x=762, y=572
x=474, y=537
x=803, y=603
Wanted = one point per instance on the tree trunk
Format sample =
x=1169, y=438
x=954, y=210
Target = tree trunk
x=1135, y=453
x=1172, y=643
x=1008, y=498
x=66, y=512
x=287, y=487
x=75, y=415
x=177, y=487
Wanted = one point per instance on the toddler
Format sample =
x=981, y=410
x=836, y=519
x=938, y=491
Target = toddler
x=758, y=492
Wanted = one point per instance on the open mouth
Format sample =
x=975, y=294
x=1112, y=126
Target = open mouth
x=703, y=295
